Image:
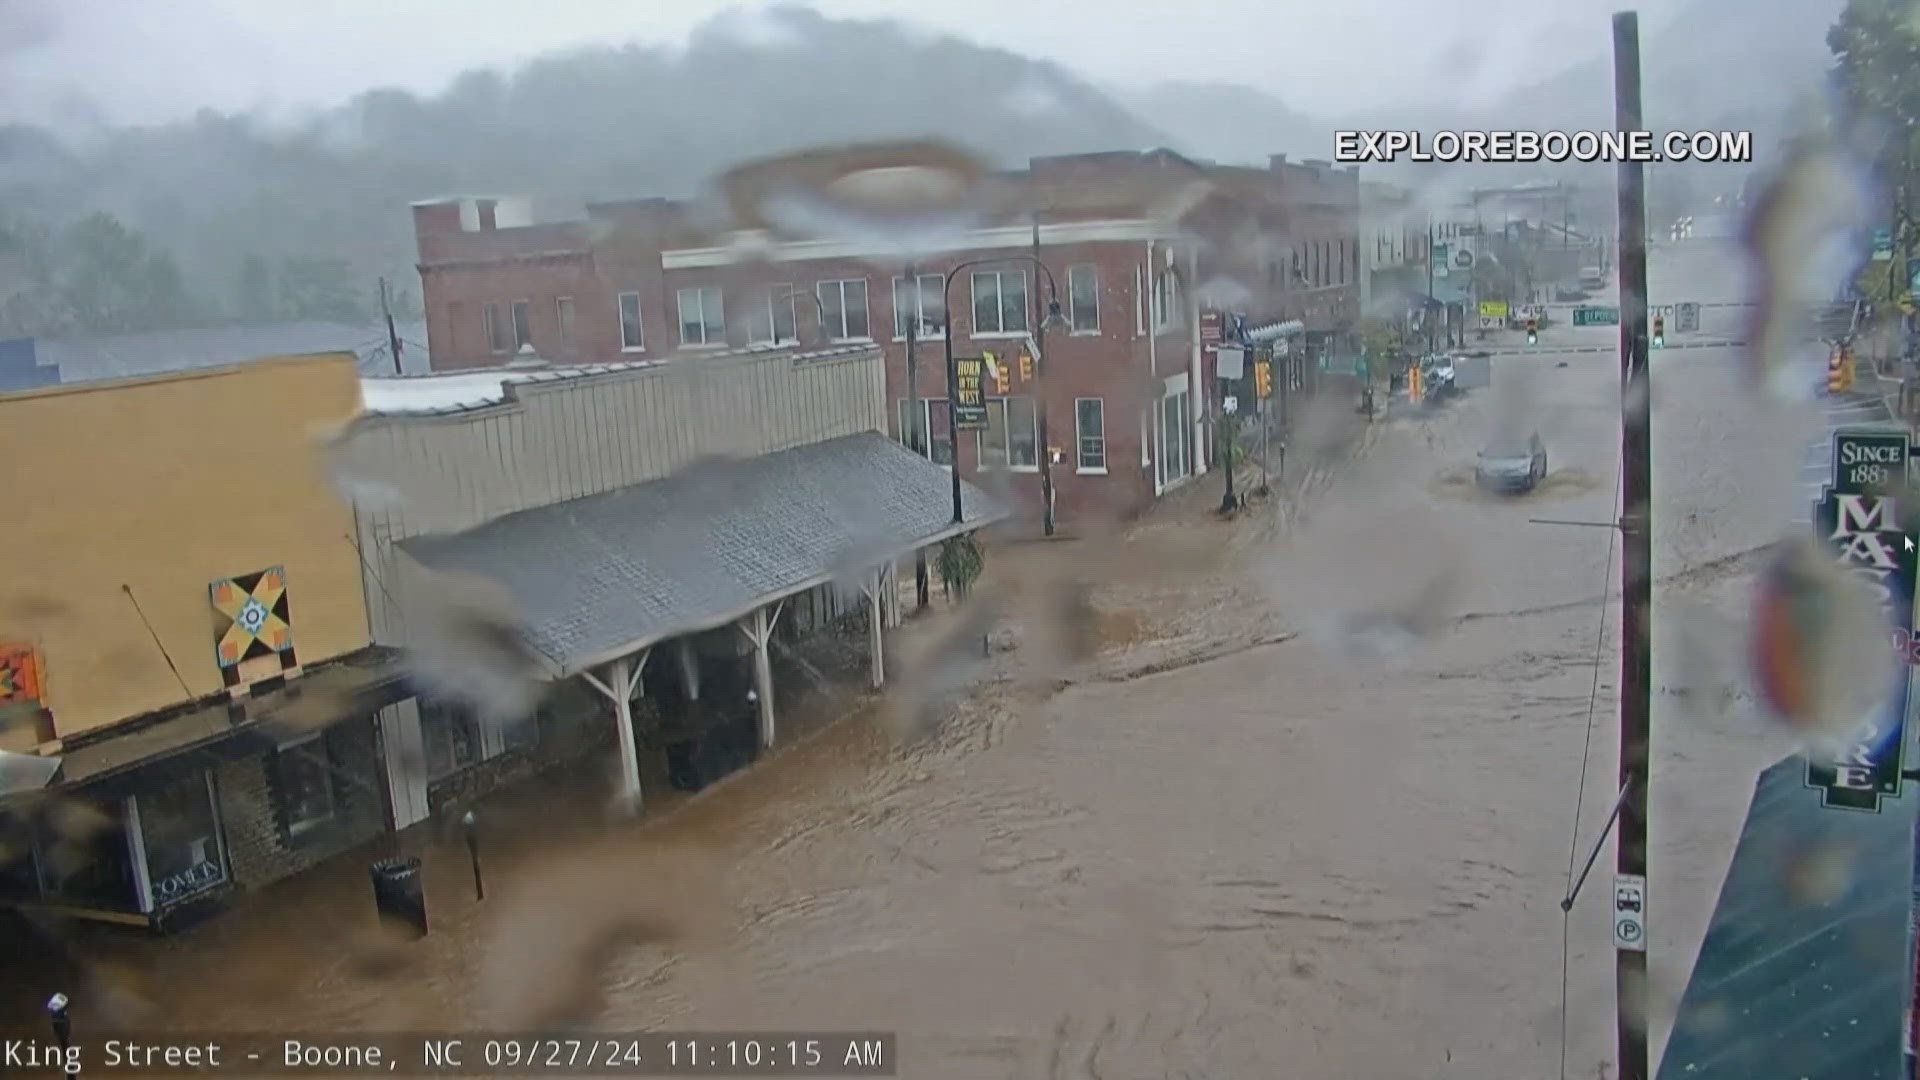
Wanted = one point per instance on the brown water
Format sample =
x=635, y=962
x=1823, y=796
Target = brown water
x=1279, y=862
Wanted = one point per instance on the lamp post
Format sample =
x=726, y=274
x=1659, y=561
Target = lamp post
x=953, y=374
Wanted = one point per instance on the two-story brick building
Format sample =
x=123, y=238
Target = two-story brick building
x=1134, y=245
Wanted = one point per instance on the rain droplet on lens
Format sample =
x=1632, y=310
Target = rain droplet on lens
x=1820, y=647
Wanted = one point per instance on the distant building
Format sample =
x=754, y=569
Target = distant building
x=1137, y=243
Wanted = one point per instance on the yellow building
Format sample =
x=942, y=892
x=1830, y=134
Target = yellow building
x=177, y=562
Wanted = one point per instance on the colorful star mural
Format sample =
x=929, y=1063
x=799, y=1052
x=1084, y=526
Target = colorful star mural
x=251, y=622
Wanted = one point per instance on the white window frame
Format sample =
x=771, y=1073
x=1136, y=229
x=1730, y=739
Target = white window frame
x=300, y=828
x=1003, y=405
x=973, y=314
x=866, y=308
x=1080, y=465
x=776, y=294
x=490, y=324
x=1139, y=300
x=563, y=312
x=514, y=310
x=639, y=324
x=929, y=330
x=1074, y=273
x=1167, y=309
x=926, y=418
x=701, y=294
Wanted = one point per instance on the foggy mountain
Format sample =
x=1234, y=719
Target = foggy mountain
x=590, y=124
x=1228, y=123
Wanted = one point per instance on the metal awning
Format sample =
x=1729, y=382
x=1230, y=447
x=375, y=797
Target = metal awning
x=602, y=577
x=21, y=773
x=351, y=686
x=1269, y=332
x=1806, y=966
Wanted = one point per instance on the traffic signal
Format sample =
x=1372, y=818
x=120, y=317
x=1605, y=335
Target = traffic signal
x=1026, y=368
x=1659, y=331
x=1263, y=379
x=1533, y=331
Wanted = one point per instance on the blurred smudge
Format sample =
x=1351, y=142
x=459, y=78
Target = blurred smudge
x=467, y=645
x=1821, y=650
x=936, y=677
x=1360, y=590
x=1819, y=875
x=548, y=950
x=1801, y=238
x=1706, y=673
x=1386, y=633
x=27, y=610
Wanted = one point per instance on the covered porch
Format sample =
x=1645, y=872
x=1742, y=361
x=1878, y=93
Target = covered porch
x=615, y=586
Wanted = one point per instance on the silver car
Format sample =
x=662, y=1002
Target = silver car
x=1511, y=466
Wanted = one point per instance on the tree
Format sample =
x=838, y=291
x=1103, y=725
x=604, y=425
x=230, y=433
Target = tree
x=94, y=276
x=319, y=288
x=1876, y=48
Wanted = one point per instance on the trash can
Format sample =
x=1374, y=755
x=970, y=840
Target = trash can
x=398, y=895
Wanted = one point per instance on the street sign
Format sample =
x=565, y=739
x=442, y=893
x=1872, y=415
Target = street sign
x=1686, y=318
x=1596, y=316
x=1230, y=363
x=970, y=406
x=1630, y=912
x=1493, y=309
x=1231, y=404
x=1860, y=524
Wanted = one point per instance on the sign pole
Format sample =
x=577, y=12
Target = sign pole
x=1636, y=566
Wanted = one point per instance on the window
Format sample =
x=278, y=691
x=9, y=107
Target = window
x=845, y=307
x=1083, y=299
x=522, y=324
x=1011, y=438
x=701, y=320
x=563, y=314
x=523, y=733
x=929, y=305
x=1090, y=430
x=496, y=333
x=933, y=420
x=772, y=321
x=1173, y=437
x=1139, y=299
x=306, y=783
x=999, y=302
x=452, y=738
x=1166, y=302
x=179, y=823
x=630, y=339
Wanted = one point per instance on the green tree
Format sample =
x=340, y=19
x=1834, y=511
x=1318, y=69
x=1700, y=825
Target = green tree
x=1876, y=49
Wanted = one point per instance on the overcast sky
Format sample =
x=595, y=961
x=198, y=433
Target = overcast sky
x=144, y=61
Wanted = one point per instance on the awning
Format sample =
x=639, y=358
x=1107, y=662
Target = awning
x=355, y=685
x=603, y=576
x=1269, y=332
x=1806, y=967
x=25, y=772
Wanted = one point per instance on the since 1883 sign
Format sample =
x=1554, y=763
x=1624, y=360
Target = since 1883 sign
x=1858, y=518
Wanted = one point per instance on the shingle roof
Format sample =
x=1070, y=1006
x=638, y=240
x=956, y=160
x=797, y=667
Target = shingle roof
x=1812, y=986
x=601, y=574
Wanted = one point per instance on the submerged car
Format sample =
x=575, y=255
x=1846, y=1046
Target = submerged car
x=1510, y=466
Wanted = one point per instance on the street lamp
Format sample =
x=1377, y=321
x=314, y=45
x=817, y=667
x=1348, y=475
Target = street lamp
x=953, y=379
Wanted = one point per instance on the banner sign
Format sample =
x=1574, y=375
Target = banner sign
x=1864, y=531
x=1493, y=309
x=969, y=402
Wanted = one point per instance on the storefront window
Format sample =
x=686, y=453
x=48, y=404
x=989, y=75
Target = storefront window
x=82, y=857
x=306, y=784
x=452, y=738
x=181, y=829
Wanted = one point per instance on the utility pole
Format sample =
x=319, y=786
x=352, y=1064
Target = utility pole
x=1636, y=559
x=393, y=336
x=953, y=395
x=1040, y=384
x=1432, y=302
x=916, y=438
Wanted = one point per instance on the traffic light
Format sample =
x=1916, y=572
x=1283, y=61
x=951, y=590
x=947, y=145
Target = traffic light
x=1026, y=368
x=1263, y=379
x=1659, y=331
x=1533, y=331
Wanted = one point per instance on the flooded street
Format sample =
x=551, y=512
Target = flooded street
x=1288, y=860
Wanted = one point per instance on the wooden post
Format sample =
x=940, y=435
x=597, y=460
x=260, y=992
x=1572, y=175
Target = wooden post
x=759, y=630
x=875, y=626
x=620, y=679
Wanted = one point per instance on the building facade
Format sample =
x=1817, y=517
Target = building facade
x=1133, y=245
x=187, y=672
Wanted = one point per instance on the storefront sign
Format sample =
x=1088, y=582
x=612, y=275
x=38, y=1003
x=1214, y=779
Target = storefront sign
x=1210, y=328
x=195, y=878
x=1493, y=309
x=970, y=405
x=1864, y=530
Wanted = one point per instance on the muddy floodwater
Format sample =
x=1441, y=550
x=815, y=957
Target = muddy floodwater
x=1251, y=856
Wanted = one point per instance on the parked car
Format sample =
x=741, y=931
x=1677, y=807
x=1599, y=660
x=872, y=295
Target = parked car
x=1511, y=466
x=1438, y=374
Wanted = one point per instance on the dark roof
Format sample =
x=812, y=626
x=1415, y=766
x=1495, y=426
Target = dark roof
x=600, y=575
x=1803, y=985
x=119, y=356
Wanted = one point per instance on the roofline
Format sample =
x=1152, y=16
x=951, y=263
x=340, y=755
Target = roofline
x=90, y=385
x=564, y=670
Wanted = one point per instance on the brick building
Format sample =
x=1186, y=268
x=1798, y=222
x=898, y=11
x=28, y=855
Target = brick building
x=1137, y=245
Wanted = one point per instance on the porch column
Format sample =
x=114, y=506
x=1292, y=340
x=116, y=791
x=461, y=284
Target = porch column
x=758, y=628
x=623, y=678
x=876, y=627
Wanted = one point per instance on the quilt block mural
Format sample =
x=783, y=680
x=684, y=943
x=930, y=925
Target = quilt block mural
x=253, y=627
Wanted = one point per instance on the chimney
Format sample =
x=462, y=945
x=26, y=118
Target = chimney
x=431, y=222
x=485, y=208
x=1276, y=162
